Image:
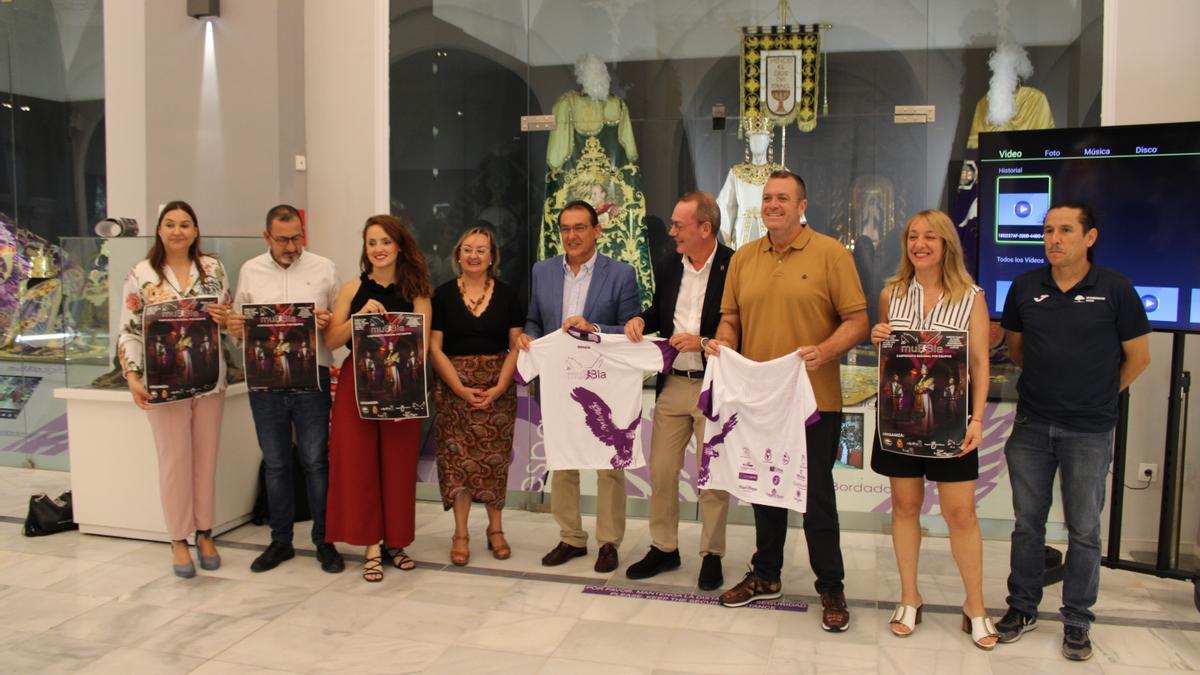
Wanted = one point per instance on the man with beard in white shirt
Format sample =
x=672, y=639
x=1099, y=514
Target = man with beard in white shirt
x=287, y=273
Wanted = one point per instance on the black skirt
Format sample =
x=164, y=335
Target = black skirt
x=949, y=470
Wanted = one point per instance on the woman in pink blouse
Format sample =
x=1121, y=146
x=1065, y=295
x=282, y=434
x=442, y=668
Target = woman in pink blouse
x=185, y=431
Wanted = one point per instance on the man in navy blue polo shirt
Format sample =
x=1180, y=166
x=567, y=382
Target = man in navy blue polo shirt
x=1080, y=334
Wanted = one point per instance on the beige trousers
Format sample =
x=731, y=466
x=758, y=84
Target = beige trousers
x=186, y=436
x=676, y=418
x=610, y=506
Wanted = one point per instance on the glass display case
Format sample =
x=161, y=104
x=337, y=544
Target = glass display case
x=92, y=324
x=59, y=327
x=485, y=99
x=52, y=184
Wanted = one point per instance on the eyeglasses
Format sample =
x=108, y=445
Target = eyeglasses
x=284, y=241
x=576, y=229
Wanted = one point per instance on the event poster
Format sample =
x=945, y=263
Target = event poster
x=389, y=365
x=922, y=392
x=15, y=392
x=281, y=347
x=182, y=349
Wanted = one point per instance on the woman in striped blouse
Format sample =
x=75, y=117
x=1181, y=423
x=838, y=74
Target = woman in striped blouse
x=932, y=290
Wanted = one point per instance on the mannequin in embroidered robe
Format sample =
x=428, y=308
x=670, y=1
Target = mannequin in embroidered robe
x=740, y=199
x=592, y=156
x=1009, y=105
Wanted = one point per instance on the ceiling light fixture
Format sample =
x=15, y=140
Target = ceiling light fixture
x=204, y=9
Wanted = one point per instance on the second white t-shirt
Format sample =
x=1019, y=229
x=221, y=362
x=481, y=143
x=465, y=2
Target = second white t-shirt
x=591, y=395
x=756, y=414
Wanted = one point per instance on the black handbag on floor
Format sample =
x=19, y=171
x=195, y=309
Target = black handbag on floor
x=47, y=515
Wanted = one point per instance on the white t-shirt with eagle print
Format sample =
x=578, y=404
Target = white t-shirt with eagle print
x=591, y=395
x=756, y=414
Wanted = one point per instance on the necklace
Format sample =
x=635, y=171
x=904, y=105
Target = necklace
x=473, y=305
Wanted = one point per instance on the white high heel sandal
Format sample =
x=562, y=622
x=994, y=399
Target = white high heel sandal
x=980, y=628
x=907, y=616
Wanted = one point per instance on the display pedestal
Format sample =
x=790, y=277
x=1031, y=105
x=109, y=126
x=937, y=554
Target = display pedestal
x=114, y=469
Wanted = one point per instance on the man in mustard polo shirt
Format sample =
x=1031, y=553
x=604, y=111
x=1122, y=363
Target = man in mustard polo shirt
x=796, y=290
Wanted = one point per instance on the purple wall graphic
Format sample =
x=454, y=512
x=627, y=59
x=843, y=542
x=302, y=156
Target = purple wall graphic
x=49, y=440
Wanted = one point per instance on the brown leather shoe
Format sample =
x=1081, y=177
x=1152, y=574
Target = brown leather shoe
x=835, y=616
x=562, y=553
x=750, y=589
x=606, y=560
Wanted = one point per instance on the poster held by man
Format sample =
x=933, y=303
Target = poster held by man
x=389, y=365
x=280, y=347
x=922, y=403
x=183, y=352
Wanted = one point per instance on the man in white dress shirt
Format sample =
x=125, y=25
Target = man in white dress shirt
x=287, y=273
x=686, y=308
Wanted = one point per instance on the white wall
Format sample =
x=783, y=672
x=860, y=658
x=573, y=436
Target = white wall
x=125, y=108
x=211, y=113
x=1151, y=61
x=345, y=56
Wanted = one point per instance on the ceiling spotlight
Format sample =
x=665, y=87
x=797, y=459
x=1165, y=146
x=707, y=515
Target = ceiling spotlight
x=204, y=9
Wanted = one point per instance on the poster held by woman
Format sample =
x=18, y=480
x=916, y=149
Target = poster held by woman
x=178, y=363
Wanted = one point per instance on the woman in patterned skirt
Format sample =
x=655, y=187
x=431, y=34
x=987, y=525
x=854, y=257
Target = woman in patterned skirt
x=476, y=317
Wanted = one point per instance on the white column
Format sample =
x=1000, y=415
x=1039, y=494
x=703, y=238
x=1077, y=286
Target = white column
x=346, y=113
x=125, y=108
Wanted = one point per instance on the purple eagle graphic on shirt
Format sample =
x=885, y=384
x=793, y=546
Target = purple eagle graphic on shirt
x=598, y=417
x=709, y=451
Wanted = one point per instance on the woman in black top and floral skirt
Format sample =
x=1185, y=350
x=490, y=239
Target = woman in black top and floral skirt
x=476, y=318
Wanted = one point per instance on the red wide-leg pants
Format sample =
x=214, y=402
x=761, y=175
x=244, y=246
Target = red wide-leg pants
x=372, y=474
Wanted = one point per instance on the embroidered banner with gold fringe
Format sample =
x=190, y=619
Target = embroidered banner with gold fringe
x=780, y=73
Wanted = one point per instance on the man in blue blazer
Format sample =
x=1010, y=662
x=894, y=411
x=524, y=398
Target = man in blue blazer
x=589, y=291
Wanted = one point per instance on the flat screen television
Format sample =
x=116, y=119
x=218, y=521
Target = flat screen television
x=1141, y=180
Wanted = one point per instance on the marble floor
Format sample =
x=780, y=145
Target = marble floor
x=72, y=602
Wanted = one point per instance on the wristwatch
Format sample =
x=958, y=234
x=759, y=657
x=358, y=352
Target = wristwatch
x=704, y=343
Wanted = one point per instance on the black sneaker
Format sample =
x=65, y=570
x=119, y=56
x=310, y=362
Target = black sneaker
x=1077, y=646
x=331, y=561
x=656, y=561
x=711, y=577
x=1014, y=624
x=276, y=553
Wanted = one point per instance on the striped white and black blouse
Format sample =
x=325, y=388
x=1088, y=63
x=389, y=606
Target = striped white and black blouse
x=904, y=310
